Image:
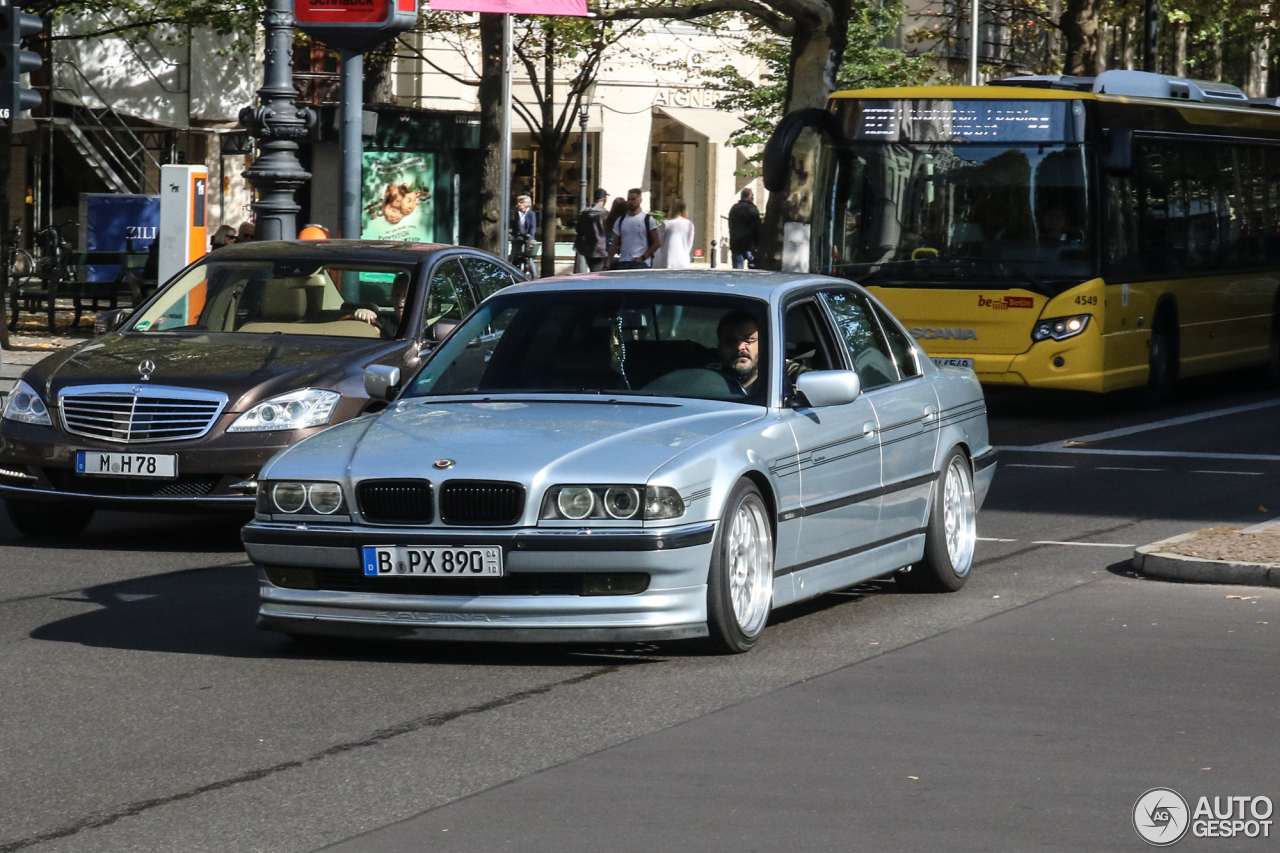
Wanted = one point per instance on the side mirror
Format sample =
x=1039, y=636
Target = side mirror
x=822, y=388
x=381, y=381
x=440, y=329
x=109, y=321
x=1117, y=151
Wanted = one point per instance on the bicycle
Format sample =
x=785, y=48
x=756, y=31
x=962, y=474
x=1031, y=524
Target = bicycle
x=46, y=271
x=521, y=257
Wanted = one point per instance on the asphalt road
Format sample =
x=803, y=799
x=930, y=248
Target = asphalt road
x=141, y=710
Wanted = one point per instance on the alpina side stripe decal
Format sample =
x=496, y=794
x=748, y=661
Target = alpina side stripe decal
x=848, y=553
x=858, y=497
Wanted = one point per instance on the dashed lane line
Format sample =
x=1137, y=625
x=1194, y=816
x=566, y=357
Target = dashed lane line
x=1244, y=473
x=1123, y=468
x=1170, y=454
x=1085, y=544
x=993, y=539
x=1029, y=465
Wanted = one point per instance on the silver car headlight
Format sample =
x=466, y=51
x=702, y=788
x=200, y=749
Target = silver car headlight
x=309, y=407
x=294, y=497
x=611, y=503
x=25, y=405
x=1060, y=328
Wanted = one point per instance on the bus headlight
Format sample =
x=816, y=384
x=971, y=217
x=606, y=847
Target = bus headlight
x=1060, y=328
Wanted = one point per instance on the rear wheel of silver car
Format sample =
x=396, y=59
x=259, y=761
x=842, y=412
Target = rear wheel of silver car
x=40, y=520
x=952, y=531
x=740, y=581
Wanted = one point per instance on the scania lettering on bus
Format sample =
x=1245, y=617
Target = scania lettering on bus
x=930, y=333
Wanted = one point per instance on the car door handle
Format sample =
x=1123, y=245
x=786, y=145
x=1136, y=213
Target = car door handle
x=929, y=412
x=869, y=430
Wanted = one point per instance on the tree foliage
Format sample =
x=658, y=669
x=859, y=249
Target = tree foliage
x=97, y=18
x=867, y=64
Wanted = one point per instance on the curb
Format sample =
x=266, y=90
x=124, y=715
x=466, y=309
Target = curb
x=1152, y=561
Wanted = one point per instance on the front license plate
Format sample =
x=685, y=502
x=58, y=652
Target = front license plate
x=954, y=362
x=384, y=561
x=160, y=465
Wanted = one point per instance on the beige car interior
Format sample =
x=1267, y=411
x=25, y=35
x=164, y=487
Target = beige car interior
x=285, y=305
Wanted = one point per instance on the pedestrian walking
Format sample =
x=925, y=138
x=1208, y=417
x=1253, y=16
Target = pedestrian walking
x=744, y=231
x=592, y=241
x=635, y=236
x=524, y=230
x=224, y=236
x=677, y=238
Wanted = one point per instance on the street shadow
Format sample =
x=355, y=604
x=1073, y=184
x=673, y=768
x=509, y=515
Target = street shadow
x=212, y=611
x=143, y=531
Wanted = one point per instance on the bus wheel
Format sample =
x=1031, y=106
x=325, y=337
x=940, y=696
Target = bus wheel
x=1162, y=374
x=1273, y=353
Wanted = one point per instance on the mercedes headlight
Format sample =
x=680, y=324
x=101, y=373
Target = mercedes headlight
x=25, y=405
x=309, y=407
x=611, y=503
x=1060, y=328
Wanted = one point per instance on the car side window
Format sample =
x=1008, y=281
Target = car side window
x=862, y=336
x=899, y=345
x=448, y=296
x=486, y=276
x=808, y=342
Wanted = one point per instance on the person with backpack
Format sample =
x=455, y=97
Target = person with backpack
x=635, y=236
x=593, y=239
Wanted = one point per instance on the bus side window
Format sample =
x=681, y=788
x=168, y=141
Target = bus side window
x=1124, y=255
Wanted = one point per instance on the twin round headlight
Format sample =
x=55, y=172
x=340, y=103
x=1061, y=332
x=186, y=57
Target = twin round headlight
x=293, y=497
x=620, y=503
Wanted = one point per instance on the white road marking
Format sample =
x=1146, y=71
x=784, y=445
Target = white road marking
x=1120, y=468
x=1172, y=454
x=1086, y=544
x=993, y=539
x=1185, y=419
x=1028, y=465
x=1246, y=473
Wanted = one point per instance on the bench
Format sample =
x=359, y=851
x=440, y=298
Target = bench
x=41, y=292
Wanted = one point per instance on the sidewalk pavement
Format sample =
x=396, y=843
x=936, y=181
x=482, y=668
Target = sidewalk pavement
x=1249, y=556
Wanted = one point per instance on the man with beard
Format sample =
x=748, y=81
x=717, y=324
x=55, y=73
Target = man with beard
x=738, y=336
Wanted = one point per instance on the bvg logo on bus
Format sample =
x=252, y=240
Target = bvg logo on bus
x=1006, y=303
x=931, y=333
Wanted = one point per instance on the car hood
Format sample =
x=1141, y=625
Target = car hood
x=245, y=367
x=535, y=442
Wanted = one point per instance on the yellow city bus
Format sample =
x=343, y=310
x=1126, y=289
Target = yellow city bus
x=1073, y=233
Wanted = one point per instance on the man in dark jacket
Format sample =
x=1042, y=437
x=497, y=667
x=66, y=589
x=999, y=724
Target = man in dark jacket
x=592, y=241
x=744, y=231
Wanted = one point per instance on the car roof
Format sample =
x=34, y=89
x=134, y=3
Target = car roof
x=376, y=251
x=755, y=283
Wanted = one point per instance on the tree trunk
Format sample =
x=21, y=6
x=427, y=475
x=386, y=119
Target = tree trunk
x=1130, y=38
x=379, y=81
x=816, y=54
x=492, y=232
x=1216, y=53
x=1256, y=82
x=1180, y=50
x=549, y=155
x=1104, y=48
x=1079, y=25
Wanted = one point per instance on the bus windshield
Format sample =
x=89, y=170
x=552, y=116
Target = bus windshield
x=956, y=214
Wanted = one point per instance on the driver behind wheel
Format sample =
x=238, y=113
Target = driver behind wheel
x=738, y=337
x=399, y=293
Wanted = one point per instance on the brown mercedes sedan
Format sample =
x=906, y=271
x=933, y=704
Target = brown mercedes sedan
x=241, y=354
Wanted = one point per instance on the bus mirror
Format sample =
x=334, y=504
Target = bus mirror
x=776, y=165
x=1117, y=151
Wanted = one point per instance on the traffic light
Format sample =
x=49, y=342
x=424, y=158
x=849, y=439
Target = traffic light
x=15, y=25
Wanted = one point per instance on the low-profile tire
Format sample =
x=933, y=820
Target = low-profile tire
x=951, y=533
x=740, y=581
x=40, y=520
x=1162, y=360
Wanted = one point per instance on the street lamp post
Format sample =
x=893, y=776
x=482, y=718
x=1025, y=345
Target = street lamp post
x=584, y=114
x=277, y=123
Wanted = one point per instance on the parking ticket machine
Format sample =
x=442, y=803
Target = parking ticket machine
x=184, y=194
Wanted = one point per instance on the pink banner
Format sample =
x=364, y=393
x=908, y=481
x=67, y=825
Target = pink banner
x=577, y=8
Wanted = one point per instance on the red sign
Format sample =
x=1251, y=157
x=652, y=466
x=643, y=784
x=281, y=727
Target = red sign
x=340, y=11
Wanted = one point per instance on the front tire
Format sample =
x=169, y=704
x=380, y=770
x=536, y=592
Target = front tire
x=1162, y=357
x=951, y=534
x=740, y=581
x=39, y=520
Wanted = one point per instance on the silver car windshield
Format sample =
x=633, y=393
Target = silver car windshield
x=640, y=343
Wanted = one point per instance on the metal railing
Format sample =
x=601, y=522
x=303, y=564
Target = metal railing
x=105, y=133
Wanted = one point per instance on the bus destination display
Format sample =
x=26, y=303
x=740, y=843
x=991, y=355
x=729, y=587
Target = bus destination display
x=970, y=121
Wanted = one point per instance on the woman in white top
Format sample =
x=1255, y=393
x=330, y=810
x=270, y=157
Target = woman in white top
x=677, y=237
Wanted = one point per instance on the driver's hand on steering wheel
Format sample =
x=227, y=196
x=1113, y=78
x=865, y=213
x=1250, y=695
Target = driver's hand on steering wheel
x=366, y=315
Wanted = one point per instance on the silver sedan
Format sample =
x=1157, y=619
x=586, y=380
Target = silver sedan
x=630, y=456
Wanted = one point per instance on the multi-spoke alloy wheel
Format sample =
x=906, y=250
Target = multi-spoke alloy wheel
x=951, y=532
x=740, y=582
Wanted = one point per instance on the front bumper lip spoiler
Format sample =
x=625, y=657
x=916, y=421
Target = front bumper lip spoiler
x=130, y=502
x=295, y=625
x=523, y=539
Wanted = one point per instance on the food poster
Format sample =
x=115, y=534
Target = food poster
x=396, y=196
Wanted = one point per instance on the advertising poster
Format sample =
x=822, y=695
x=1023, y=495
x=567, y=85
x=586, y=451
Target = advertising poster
x=396, y=196
x=117, y=223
